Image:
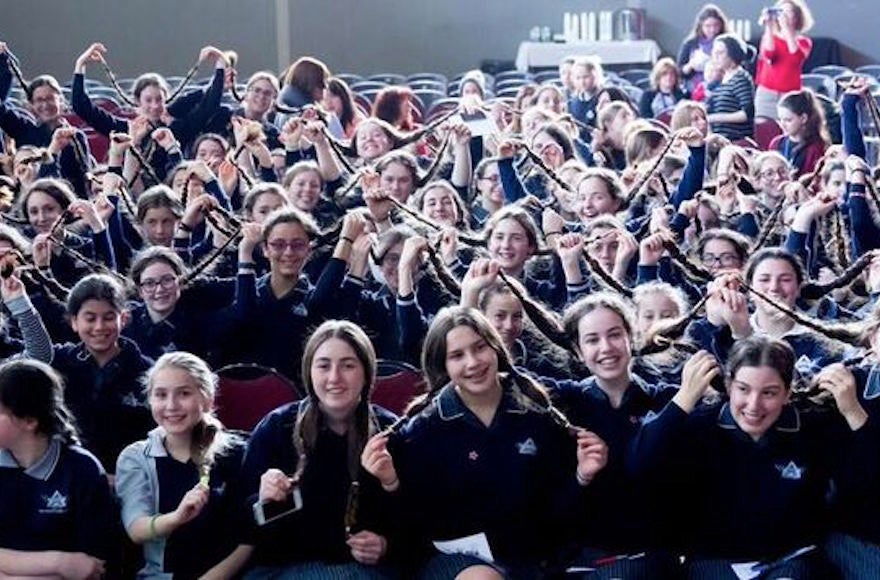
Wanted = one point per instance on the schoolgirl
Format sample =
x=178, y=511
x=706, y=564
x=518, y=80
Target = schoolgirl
x=150, y=92
x=720, y=456
x=46, y=101
x=665, y=90
x=178, y=487
x=170, y=316
x=103, y=370
x=44, y=203
x=273, y=313
x=312, y=449
x=57, y=515
x=482, y=453
x=804, y=135
x=482, y=289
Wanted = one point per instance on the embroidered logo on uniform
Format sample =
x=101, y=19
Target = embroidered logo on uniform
x=527, y=447
x=130, y=400
x=649, y=416
x=473, y=455
x=55, y=503
x=791, y=471
x=804, y=365
x=300, y=310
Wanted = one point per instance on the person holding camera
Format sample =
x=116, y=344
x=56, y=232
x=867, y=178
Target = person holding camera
x=783, y=50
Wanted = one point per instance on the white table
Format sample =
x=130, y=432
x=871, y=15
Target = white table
x=548, y=54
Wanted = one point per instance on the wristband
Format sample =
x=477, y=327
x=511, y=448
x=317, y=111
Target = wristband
x=347, y=239
x=548, y=234
x=583, y=481
x=247, y=266
x=183, y=227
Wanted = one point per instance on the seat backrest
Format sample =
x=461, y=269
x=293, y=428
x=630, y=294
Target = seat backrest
x=247, y=393
x=766, y=129
x=394, y=392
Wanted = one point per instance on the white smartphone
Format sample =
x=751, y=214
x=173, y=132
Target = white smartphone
x=269, y=511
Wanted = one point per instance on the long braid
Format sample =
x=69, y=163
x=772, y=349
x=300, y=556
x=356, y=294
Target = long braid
x=186, y=79
x=767, y=229
x=844, y=258
x=551, y=173
x=827, y=235
x=16, y=71
x=115, y=84
x=431, y=172
x=665, y=333
x=605, y=277
x=197, y=270
x=446, y=278
x=838, y=332
x=342, y=151
x=646, y=177
x=814, y=290
x=93, y=265
x=546, y=322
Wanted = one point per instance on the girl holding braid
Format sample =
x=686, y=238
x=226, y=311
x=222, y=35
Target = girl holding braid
x=178, y=487
x=483, y=452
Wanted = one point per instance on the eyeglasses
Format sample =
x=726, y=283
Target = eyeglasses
x=166, y=282
x=299, y=247
x=771, y=173
x=726, y=260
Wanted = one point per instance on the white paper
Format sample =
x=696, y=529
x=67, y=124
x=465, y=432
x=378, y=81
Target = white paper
x=746, y=570
x=479, y=123
x=476, y=545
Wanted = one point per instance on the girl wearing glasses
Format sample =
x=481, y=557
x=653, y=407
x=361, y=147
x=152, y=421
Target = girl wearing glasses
x=170, y=317
x=272, y=313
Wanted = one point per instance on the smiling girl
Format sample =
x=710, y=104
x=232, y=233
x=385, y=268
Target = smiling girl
x=754, y=470
x=314, y=445
x=482, y=453
x=178, y=487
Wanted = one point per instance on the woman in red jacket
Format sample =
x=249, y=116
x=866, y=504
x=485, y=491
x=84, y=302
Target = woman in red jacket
x=784, y=48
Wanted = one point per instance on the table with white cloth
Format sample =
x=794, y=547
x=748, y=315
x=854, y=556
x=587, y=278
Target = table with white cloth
x=535, y=55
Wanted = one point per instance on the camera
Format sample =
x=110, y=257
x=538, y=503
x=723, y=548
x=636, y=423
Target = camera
x=774, y=12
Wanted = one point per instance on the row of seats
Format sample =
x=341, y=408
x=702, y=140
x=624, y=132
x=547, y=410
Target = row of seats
x=248, y=392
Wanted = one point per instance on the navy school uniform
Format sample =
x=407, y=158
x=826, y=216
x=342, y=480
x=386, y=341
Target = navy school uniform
x=149, y=482
x=185, y=129
x=22, y=127
x=856, y=505
x=739, y=499
x=620, y=518
x=514, y=481
x=190, y=326
x=272, y=331
x=316, y=533
x=108, y=402
x=375, y=311
x=62, y=502
x=812, y=352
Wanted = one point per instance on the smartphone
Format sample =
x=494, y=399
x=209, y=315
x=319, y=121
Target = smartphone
x=269, y=511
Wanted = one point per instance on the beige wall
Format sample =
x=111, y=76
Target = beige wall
x=363, y=36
